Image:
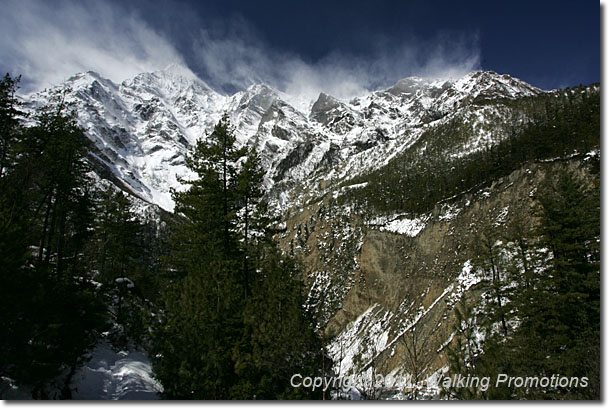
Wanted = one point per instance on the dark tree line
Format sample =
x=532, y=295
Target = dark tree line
x=51, y=311
x=75, y=261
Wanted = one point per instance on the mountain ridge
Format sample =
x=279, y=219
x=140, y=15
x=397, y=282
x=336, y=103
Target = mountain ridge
x=143, y=128
x=383, y=198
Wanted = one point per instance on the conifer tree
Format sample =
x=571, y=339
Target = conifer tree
x=9, y=122
x=560, y=316
x=555, y=300
x=232, y=324
x=278, y=338
x=14, y=223
x=254, y=221
x=202, y=304
x=55, y=318
x=118, y=236
x=121, y=264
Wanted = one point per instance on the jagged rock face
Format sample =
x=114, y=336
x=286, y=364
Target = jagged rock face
x=334, y=115
x=322, y=108
x=143, y=128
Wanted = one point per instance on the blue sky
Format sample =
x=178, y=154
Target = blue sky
x=341, y=47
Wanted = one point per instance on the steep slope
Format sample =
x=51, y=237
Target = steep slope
x=372, y=281
x=143, y=128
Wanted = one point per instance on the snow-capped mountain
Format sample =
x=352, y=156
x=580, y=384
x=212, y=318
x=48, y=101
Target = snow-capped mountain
x=143, y=128
x=370, y=278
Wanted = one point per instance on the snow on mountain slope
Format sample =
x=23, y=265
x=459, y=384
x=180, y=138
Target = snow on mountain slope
x=144, y=127
x=371, y=279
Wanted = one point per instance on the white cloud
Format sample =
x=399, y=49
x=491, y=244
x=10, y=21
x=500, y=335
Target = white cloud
x=238, y=58
x=47, y=42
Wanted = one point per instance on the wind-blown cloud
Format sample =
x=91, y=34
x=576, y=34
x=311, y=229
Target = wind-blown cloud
x=238, y=58
x=46, y=42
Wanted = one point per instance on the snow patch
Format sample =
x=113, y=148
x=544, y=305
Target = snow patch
x=111, y=375
x=409, y=227
x=400, y=225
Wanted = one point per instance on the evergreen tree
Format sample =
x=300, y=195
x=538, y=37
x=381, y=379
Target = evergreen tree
x=231, y=324
x=278, y=338
x=555, y=300
x=253, y=219
x=55, y=310
x=560, y=316
x=122, y=266
x=464, y=355
x=216, y=158
x=14, y=223
x=118, y=236
x=202, y=310
x=9, y=122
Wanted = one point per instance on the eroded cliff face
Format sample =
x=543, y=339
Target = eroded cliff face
x=376, y=285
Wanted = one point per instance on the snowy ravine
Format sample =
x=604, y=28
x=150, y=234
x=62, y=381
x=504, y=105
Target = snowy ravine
x=111, y=375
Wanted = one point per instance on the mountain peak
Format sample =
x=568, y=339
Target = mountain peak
x=261, y=88
x=182, y=74
x=492, y=83
x=410, y=85
x=172, y=81
x=85, y=77
x=323, y=105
